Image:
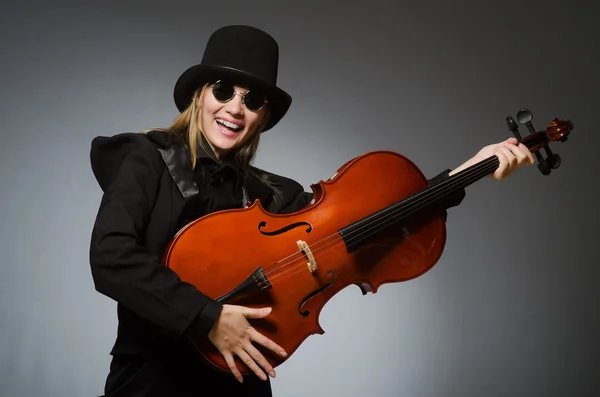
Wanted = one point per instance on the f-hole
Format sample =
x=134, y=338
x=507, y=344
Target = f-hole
x=331, y=274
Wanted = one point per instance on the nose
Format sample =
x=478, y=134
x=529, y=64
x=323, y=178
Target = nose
x=235, y=106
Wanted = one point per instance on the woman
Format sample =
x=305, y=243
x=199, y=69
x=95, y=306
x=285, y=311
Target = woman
x=156, y=182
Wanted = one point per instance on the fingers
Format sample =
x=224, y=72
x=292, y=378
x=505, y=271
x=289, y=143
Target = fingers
x=233, y=336
x=260, y=338
x=252, y=357
x=511, y=156
x=257, y=356
x=507, y=161
x=251, y=362
x=520, y=150
x=256, y=313
x=232, y=367
x=259, y=363
x=268, y=343
x=527, y=153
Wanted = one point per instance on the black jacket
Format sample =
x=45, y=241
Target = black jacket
x=148, y=186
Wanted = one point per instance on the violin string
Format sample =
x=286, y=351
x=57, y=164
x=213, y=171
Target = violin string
x=491, y=161
x=366, y=219
x=386, y=222
x=323, y=257
x=420, y=199
x=299, y=252
x=447, y=185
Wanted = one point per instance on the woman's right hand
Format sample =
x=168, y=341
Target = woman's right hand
x=232, y=335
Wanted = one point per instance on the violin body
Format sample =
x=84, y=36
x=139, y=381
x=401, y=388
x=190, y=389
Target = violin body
x=375, y=221
x=296, y=262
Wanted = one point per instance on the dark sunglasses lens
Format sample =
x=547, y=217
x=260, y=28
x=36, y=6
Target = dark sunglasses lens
x=223, y=91
x=254, y=100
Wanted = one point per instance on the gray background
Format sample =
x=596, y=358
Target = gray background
x=510, y=309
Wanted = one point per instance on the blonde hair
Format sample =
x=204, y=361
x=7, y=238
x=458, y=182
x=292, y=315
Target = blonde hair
x=188, y=128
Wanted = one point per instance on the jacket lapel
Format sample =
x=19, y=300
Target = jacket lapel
x=176, y=158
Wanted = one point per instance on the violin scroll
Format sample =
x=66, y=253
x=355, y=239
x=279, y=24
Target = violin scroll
x=557, y=130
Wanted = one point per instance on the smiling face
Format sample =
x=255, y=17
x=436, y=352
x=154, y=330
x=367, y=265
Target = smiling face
x=227, y=125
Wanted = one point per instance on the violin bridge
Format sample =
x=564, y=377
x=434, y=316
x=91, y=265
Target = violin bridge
x=305, y=249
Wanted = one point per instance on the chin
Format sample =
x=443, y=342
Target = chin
x=223, y=146
x=224, y=143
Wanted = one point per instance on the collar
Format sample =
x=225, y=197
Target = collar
x=254, y=189
x=228, y=162
x=175, y=155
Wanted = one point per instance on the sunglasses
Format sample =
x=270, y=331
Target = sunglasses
x=224, y=92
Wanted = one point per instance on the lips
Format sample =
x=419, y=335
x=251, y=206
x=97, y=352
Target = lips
x=230, y=124
x=226, y=130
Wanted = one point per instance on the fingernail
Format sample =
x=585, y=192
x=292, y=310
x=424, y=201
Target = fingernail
x=284, y=354
x=272, y=373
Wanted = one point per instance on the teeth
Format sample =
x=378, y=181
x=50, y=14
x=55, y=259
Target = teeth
x=229, y=124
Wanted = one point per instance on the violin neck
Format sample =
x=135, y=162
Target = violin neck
x=421, y=200
x=428, y=197
x=463, y=178
x=470, y=175
x=433, y=194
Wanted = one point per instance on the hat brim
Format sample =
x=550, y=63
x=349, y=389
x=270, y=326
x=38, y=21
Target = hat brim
x=197, y=75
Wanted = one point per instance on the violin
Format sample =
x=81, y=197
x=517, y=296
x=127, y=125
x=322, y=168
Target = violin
x=373, y=222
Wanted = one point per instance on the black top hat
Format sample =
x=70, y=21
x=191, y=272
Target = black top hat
x=243, y=55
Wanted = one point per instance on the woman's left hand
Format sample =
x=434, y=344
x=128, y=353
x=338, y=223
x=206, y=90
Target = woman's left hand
x=510, y=155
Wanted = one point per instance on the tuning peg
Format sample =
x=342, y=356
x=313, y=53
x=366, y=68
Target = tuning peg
x=524, y=116
x=552, y=160
x=513, y=127
x=544, y=168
